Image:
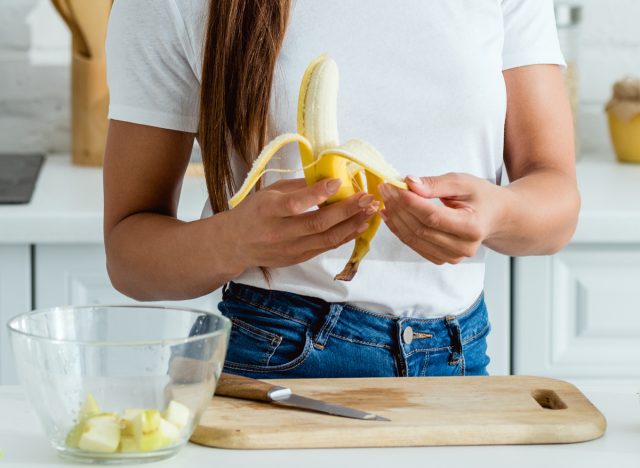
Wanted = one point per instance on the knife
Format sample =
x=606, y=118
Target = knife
x=236, y=386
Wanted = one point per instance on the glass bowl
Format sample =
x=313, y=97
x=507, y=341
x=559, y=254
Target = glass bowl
x=119, y=383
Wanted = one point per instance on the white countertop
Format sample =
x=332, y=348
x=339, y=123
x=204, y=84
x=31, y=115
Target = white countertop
x=24, y=444
x=67, y=204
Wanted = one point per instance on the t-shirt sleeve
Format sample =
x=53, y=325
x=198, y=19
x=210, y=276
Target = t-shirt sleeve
x=530, y=34
x=151, y=69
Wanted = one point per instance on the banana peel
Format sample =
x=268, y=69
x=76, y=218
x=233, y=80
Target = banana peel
x=358, y=165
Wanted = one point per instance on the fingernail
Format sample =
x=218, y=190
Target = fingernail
x=415, y=180
x=365, y=201
x=370, y=210
x=334, y=185
x=393, y=192
x=363, y=228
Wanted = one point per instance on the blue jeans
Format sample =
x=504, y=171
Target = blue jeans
x=277, y=334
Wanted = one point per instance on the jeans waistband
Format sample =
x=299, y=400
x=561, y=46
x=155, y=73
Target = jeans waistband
x=356, y=324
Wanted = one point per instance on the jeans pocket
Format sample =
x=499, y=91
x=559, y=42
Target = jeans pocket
x=251, y=344
x=262, y=341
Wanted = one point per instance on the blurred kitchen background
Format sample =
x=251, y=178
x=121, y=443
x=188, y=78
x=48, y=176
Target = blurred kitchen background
x=572, y=315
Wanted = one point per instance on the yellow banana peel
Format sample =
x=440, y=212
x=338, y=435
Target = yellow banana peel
x=356, y=163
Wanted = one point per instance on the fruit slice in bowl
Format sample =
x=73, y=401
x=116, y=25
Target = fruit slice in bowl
x=135, y=430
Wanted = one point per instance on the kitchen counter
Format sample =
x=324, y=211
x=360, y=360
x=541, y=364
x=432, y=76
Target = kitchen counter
x=24, y=444
x=68, y=201
x=67, y=206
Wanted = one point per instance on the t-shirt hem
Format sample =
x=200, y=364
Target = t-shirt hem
x=136, y=115
x=520, y=60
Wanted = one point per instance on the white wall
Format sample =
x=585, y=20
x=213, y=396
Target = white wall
x=34, y=76
x=610, y=51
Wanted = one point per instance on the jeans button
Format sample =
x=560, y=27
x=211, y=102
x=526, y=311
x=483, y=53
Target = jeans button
x=407, y=335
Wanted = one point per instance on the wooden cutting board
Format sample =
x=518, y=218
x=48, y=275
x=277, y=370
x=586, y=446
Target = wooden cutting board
x=423, y=411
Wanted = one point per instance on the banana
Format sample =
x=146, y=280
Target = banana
x=358, y=165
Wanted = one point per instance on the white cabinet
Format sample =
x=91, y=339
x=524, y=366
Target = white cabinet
x=15, y=298
x=577, y=314
x=77, y=274
x=497, y=294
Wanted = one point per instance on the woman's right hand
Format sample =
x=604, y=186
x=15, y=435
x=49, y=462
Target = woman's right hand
x=273, y=227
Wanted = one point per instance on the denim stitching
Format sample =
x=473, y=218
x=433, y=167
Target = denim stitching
x=425, y=365
x=353, y=340
x=331, y=319
x=282, y=367
x=303, y=357
x=486, y=327
x=380, y=345
x=274, y=340
x=269, y=309
x=254, y=330
x=442, y=348
x=472, y=308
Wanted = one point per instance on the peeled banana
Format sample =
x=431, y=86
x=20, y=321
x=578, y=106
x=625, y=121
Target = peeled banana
x=357, y=164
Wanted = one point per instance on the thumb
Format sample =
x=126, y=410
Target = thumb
x=450, y=185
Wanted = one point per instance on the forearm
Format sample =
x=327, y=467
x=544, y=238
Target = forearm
x=156, y=257
x=539, y=214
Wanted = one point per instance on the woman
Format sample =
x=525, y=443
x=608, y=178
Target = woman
x=446, y=90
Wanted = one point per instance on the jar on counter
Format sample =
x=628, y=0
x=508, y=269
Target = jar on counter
x=568, y=19
x=624, y=119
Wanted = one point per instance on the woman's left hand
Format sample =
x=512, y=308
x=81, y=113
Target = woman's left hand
x=471, y=213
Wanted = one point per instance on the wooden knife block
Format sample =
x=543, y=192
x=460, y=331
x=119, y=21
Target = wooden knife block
x=87, y=20
x=89, y=110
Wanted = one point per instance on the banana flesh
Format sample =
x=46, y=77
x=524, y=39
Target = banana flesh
x=356, y=163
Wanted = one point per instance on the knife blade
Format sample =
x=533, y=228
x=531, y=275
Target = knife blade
x=237, y=386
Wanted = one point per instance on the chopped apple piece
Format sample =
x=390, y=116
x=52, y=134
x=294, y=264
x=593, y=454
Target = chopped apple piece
x=169, y=432
x=130, y=413
x=100, y=434
x=177, y=414
x=73, y=437
x=89, y=407
x=127, y=444
x=105, y=417
x=127, y=420
x=138, y=430
x=145, y=422
x=166, y=434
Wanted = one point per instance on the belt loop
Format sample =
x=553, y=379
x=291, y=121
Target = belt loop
x=456, y=339
x=320, y=339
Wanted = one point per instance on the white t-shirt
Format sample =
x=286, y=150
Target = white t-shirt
x=420, y=80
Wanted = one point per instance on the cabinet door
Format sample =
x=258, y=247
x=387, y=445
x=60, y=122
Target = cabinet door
x=577, y=314
x=497, y=292
x=77, y=274
x=15, y=298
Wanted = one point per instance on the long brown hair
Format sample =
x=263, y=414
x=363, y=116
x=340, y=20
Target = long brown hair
x=243, y=40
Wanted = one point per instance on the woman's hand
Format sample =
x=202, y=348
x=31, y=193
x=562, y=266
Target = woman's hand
x=536, y=214
x=444, y=234
x=273, y=227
